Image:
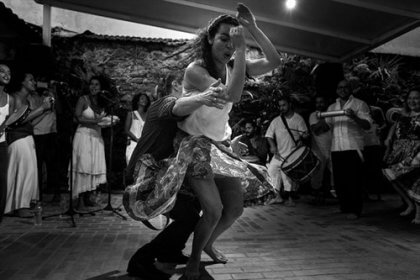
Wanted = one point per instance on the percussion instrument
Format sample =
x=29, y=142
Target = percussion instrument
x=16, y=118
x=300, y=164
x=330, y=114
x=108, y=121
x=393, y=114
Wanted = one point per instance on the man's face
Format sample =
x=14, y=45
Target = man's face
x=249, y=129
x=284, y=107
x=4, y=75
x=320, y=104
x=343, y=90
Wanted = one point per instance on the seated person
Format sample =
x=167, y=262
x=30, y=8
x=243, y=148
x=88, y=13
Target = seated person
x=251, y=146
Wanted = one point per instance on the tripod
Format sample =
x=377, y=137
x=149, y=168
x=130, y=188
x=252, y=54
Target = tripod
x=70, y=211
x=109, y=207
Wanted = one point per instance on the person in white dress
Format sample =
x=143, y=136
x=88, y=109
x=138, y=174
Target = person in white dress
x=6, y=102
x=135, y=121
x=22, y=172
x=88, y=168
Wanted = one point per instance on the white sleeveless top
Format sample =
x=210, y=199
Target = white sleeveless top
x=208, y=121
x=4, y=112
x=137, y=124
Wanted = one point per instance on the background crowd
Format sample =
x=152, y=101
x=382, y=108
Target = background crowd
x=388, y=155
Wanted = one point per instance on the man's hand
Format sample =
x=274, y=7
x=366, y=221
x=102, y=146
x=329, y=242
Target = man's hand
x=350, y=113
x=215, y=95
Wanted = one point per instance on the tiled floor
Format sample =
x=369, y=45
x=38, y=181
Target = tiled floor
x=273, y=242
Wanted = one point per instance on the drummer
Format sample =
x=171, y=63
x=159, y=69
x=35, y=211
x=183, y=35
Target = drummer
x=250, y=146
x=282, y=144
x=6, y=102
x=22, y=173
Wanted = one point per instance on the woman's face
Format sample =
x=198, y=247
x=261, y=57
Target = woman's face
x=94, y=87
x=413, y=101
x=29, y=82
x=4, y=75
x=221, y=45
x=143, y=101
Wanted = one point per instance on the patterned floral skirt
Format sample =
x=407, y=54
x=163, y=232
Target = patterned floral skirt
x=157, y=183
x=400, y=169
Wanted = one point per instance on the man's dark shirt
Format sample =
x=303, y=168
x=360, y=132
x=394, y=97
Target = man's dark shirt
x=157, y=135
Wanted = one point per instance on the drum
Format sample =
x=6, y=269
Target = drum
x=300, y=164
x=16, y=118
x=393, y=114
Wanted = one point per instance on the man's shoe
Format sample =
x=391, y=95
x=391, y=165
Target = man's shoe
x=146, y=271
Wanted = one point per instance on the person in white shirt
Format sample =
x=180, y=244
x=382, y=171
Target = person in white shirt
x=321, y=146
x=281, y=145
x=347, y=147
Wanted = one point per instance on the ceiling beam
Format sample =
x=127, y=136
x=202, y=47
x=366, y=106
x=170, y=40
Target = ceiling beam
x=395, y=9
x=303, y=27
x=383, y=39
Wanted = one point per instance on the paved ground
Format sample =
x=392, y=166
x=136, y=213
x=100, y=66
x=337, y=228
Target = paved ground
x=274, y=242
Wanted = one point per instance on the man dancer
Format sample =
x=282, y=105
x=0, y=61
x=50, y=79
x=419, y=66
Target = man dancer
x=157, y=137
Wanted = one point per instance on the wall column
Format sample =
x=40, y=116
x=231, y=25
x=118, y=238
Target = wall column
x=46, y=26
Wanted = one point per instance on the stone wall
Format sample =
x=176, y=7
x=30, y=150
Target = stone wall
x=133, y=64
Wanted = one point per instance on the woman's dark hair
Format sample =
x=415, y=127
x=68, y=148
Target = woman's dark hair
x=103, y=99
x=136, y=99
x=201, y=46
x=16, y=82
x=406, y=108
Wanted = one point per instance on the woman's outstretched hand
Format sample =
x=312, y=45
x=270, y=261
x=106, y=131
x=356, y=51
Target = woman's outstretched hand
x=245, y=16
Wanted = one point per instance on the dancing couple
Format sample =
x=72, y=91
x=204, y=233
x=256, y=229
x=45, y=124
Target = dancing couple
x=182, y=165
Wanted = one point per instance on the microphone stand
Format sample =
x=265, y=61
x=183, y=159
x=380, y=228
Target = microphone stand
x=70, y=211
x=109, y=207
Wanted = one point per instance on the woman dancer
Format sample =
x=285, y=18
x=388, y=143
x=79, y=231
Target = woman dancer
x=22, y=173
x=214, y=174
x=403, y=160
x=135, y=121
x=6, y=103
x=89, y=169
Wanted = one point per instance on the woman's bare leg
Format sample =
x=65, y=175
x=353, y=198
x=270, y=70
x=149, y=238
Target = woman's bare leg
x=211, y=205
x=405, y=198
x=230, y=190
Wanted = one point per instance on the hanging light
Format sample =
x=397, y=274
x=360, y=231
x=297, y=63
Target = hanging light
x=290, y=4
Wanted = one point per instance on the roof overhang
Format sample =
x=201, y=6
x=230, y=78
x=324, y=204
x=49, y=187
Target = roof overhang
x=331, y=30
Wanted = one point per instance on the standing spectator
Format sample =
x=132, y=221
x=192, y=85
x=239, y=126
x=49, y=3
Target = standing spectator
x=374, y=149
x=403, y=160
x=347, y=149
x=45, y=136
x=135, y=121
x=321, y=146
x=251, y=146
x=89, y=168
x=282, y=144
x=22, y=173
x=6, y=104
